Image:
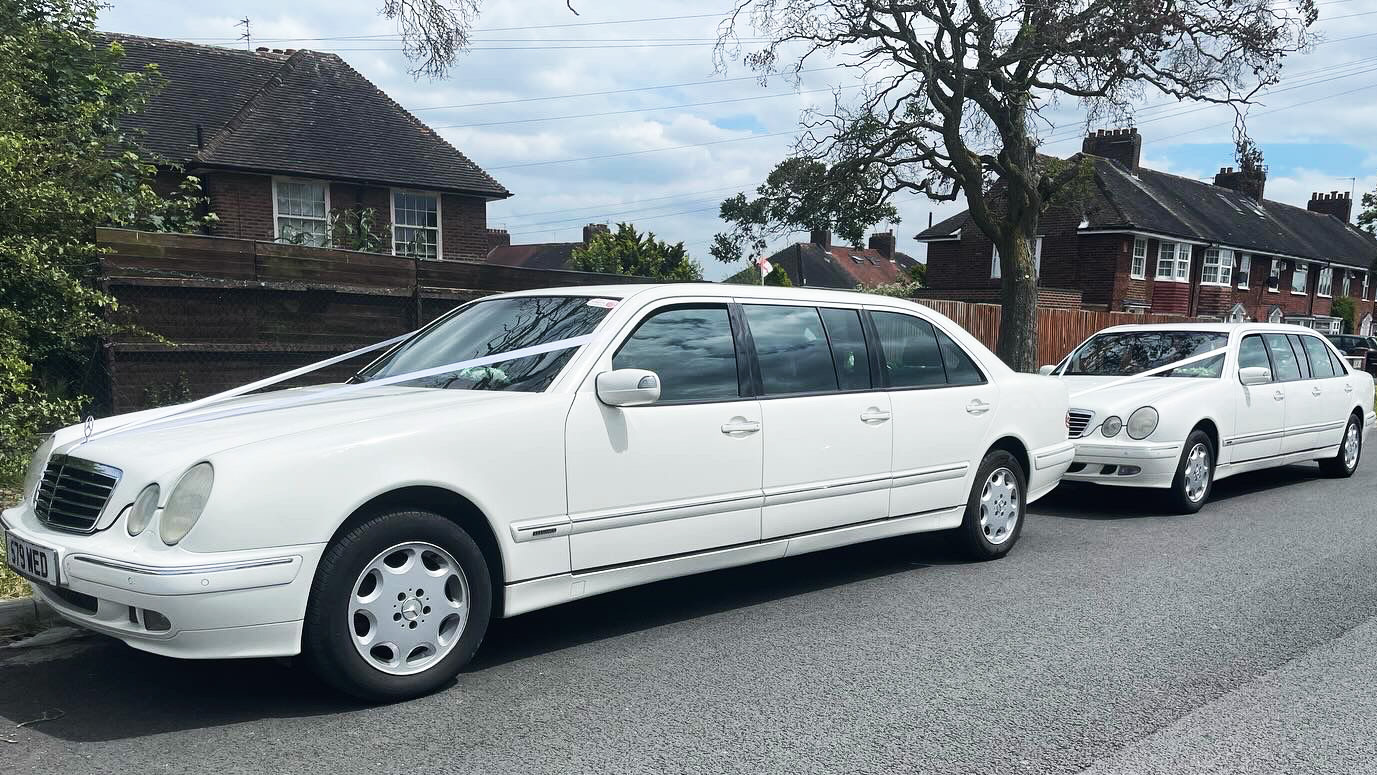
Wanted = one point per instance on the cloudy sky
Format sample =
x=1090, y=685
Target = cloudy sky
x=675, y=137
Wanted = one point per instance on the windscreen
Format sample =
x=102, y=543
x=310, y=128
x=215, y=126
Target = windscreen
x=491, y=328
x=1134, y=352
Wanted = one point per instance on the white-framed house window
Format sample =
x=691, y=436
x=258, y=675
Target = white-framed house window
x=995, y=273
x=1365, y=276
x=1344, y=276
x=1138, y=267
x=1218, y=267
x=1300, y=278
x=416, y=223
x=301, y=211
x=1274, y=277
x=1174, y=262
x=1325, y=286
x=1245, y=267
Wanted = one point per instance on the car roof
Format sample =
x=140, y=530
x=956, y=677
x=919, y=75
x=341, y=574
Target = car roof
x=1215, y=328
x=717, y=290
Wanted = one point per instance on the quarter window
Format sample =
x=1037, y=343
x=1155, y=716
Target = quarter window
x=849, y=353
x=791, y=346
x=690, y=348
x=911, y=355
x=1321, y=366
x=416, y=224
x=301, y=210
x=1138, y=268
x=961, y=370
x=1284, y=365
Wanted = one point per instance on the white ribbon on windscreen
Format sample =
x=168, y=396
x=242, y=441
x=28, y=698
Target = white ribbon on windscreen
x=186, y=413
x=1153, y=372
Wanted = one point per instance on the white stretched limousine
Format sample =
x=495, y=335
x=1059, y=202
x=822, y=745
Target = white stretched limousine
x=635, y=433
x=1244, y=397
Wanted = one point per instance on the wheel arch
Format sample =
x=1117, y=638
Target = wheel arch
x=1211, y=429
x=1014, y=446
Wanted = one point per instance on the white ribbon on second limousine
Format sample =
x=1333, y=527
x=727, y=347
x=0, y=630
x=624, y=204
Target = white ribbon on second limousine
x=1152, y=372
x=186, y=414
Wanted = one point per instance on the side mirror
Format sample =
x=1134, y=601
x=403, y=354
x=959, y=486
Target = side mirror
x=1255, y=375
x=1047, y=370
x=628, y=387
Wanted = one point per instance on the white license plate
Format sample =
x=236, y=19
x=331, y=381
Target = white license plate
x=34, y=562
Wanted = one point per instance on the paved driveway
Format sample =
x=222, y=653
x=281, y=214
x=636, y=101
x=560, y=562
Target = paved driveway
x=1114, y=638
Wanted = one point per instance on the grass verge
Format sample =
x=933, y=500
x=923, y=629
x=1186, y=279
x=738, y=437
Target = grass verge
x=10, y=584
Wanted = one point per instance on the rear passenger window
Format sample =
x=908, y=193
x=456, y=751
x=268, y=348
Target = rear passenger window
x=1321, y=367
x=791, y=346
x=849, y=353
x=961, y=370
x=1340, y=368
x=1284, y=364
x=911, y=355
x=690, y=348
x=1252, y=353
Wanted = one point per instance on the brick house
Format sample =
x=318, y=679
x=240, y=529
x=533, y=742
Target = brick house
x=1149, y=241
x=537, y=255
x=818, y=263
x=283, y=138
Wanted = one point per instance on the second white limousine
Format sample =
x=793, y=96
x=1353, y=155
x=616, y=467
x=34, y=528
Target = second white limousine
x=525, y=450
x=1243, y=397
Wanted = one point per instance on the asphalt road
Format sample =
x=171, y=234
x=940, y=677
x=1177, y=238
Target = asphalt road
x=1114, y=639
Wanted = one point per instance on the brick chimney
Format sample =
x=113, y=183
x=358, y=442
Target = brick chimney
x=883, y=243
x=1335, y=203
x=498, y=238
x=594, y=228
x=1248, y=182
x=822, y=238
x=1124, y=146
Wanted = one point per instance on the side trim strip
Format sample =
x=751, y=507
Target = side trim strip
x=187, y=570
x=933, y=474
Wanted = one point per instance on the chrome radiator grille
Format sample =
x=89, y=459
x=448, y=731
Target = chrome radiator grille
x=73, y=493
x=1076, y=421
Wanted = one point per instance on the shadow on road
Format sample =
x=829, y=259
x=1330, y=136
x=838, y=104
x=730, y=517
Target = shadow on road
x=109, y=691
x=1079, y=500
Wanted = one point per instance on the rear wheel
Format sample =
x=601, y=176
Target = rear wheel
x=1343, y=464
x=995, y=508
x=399, y=605
x=1194, y=474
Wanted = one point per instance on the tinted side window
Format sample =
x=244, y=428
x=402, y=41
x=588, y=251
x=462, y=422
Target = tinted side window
x=1321, y=367
x=1253, y=353
x=792, y=349
x=692, y=350
x=961, y=370
x=1301, y=360
x=911, y=357
x=849, y=353
x=1284, y=364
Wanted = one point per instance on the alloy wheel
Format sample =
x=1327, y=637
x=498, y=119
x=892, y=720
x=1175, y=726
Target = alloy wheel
x=999, y=506
x=1197, y=472
x=408, y=608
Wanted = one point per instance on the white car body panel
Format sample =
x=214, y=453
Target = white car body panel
x=578, y=497
x=1257, y=426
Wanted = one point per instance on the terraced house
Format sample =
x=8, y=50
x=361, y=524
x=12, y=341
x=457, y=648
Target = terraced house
x=1143, y=240
x=284, y=138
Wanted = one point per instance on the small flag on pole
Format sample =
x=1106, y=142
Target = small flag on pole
x=765, y=266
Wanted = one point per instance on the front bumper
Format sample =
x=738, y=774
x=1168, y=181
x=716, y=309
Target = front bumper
x=189, y=605
x=1125, y=464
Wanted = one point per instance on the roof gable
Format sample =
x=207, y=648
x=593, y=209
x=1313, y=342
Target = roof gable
x=304, y=113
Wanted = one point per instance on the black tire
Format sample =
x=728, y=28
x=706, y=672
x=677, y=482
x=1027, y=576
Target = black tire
x=1337, y=467
x=328, y=637
x=973, y=539
x=1179, y=497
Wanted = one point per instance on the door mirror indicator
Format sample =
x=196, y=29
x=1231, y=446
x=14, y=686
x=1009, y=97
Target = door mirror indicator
x=628, y=387
x=1254, y=375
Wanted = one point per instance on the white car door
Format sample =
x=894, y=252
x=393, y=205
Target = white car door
x=1327, y=388
x=1295, y=385
x=1259, y=410
x=828, y=434
x=680, y=475
x=943, y=405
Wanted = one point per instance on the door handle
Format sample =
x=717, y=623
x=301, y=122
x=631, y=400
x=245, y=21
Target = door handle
x=977, y=407
x=740, y=425
x=1279, y=396
x=1314, y=391
x=1348, y=388
x=873, y=415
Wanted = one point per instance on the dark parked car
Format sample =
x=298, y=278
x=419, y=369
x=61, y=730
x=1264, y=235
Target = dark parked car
x=1350, y=344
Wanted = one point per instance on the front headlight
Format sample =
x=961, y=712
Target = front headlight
x=34, y=476
x=1142, y=422
x=185, y=504
x=142, y=512
x=1111, y=426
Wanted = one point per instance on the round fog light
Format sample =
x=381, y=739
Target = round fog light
x=1111, y=426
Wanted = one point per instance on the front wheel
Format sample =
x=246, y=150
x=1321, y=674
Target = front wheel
x=995, y=508
x=398, y=606
x=1194, y=474
x=1345, y=462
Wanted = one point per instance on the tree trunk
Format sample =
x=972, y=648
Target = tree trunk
x=1018, y=322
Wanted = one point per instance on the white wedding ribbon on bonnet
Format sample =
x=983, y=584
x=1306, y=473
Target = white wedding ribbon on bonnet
x=1153, y=372
x=186, y=413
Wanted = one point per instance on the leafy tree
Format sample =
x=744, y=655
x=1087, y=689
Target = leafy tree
x=66, y=168
x=918, y=274
x=802, y=195
x=625, y=251
x=958, y=94
x=1367, y=218
x=1347, y=308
